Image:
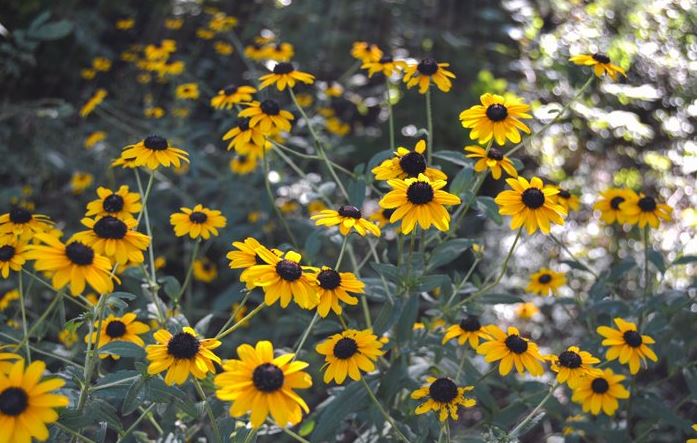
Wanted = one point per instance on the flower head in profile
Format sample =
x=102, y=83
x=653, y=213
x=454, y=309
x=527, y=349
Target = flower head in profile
x=627, y=345
x=497, y=117
x=182, y=354
x=419, y=201
x=204, y=270
x=7, y=296
x=382, y=217
x=609, y=204
x=385, y=65
x=232, y=95
x=644, y=210
x=426, y=72
x=197, y=222
x=601, y=64
x=80, y=181
x=346, y=218
x=120, y=203
x=93, y=138
x=406, y=163
x=243, y=164
x=600, y=392
x=573, y=365
x=268, y=117
x=93, y=102
x=350, y=352
x=468, y=329
x=154, y=151
x=114, y=238
x=512, y=350
x=492, y=159
x=245, y=139
x=366, y=52
x=335, y=287
x=570, y=201
x=444, y=397
x=285, y=75
x=281, y=52
x=531, y=204
x=125, y=328
x=261, y=384
x=22, y=223
x=13, y=255
x=546, y=282
x=527, y=310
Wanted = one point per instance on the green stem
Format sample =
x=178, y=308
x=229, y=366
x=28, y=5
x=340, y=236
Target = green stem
x=304, y=337
x=231, y=318
x=571, y=255
x=430, y=135
x=458, y=287
x=270, y=195
x=389, y=105
x=24, y=318
x=36, y=324
x=188, y=276
x=209, y=411
x=515, y=432
x=136, y=422
x=75, y=435
x=242, y=321
x=91, y=352
x=383, y=411
x=294, y=435
x=342, y=251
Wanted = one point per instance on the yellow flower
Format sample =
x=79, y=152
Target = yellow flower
x=204, y=270
x=243, y=164
x=114, y=329
x=600, y=393
x=73, y=263
x=382, y=217
x=7, y=360
x=428, y=70
x=154, y=151
x=573, y=365
x=267, y=116
x=406, y=163
x=645, y=210
x=337, y=127
x=512, y=350
x=7, y=297
x=349, y=353
x=531, y=205
x=173, y=23
x=626, y=344
x=187, y=91
x=68, y=337
x=205, y=34
x=125, y=24
x=315, y=206
x=245, y=254
x=526, y=310
x=333, y=288
x=197, y=222
x=282, y=52
x=282, y=277
x=182, y=354
x=570, y=202
x=609, y=204
x=121, y=204
x=28, y=403
x=419, y=200
x=22, y=223
x=80, y=181
x=154, y=112
x=496, y=117
x=221, y=22
x=93, y=102
x=232, y=95
x=346, y=218
x=102, y=64
x=13, y=255
x=545, y=282
x=246, y=140
x=693, y=440
x=88, y=74
x=223, y=48
x=260, y=384
x=600, y=63
x=492, y=159
x=255, y=52
x=444, y=397
x=93, y=138
x=469, y=329
x=366, y=52
x=385, y=65
x=114, y=238
x=285, y=75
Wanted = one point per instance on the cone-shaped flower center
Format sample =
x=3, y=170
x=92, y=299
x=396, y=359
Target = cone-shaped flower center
x=267, y=377
x=345, y=348
x=443, y=390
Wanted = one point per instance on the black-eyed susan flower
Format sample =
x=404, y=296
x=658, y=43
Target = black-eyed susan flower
x=469, y=329
x=546, y=282
x=187, y=91
x=526, y=311
x=68, y=337
x=366, y=52
x=350, y=352
x=245, y=255
x=497, y=117
x=124, y=162
x=125, y=24
x=102, y=64
x=121, y=203
x=267, y=116
x=182, y=354
x=7, y=360
x=93, y=138
x=315, y=206
x=93, y=102
x=568, y=200
x=223, y=48
x=573, y=365
x=246, y=139
x=385, y=65
x=197, y=222
x=337, y=127
x=512, y=350
x=426, y=72
x=204, y=270
x=114, y=238
x=334, y=287
x=7, y=296
x=609, y=204
x=406, y=163
x=627, y=344
x=601, y=64
x=693, y=440
x=347, y=218
x=382, y=217
x=443, y=397
x=493, y=159
x=281, y=52
x=13, y=255
x=72, y=263
x=173, y=24
x=261, y=384
x=232, y=95
x=243, y=164
x=283, y=277
x=80, y=181
x=28, y=403
x=601, y=392
x=154, y=151
x=531, y=204
x=125, y=328
x=22, y=223
x=285, y=75
x=154, y=112
x=644, y=210
x=419, y=200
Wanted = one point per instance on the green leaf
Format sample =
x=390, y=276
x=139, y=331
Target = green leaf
x=493, y=299
x=387, y=270
x=657, y=259
x=407, y=319
x=51, y=31
x=427, y=283
x=342, y=403
x=684, y=260
x=123, y=349
x=457, y=158
x=575, y=265
x=171, y=286
x=312, y=245
x=488, y=205
x=357, y=192
x=620, y=269
x=307, y=427
x=448, y=251
x=159, y=392
x=378, y=158
x=104, y=411
x=134, y=396
x=461, y=181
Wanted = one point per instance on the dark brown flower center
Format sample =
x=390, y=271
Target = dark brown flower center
x=443, y=390
x=110, y=227
x=183, y=346
x=113, y=203
x=570, y=359
x=267, y=377
x=420, y=193
x=633, y=339
x=6, y=252
x=563, y=193
x=116, y=329
x=647, y=204
x=600, y=385
x=516, y=344
x=615, y=202
x=601, y=58
x=80, y=254
x=496, y=112
x=13, y=401
x=470, y=323
x=198, y=217
x=283, y=68
x=243, y=124
x=545, y=278
x=413, y=164
x=288, y=270
x=533, y=198
x=386, y=59
x=270, y=107
x=20, y=215
x=155, y=143
x=349, y=211
x=495, y=154
x=428, y=66
x=345, y=348
x=230, y=89
x=329, y=279
x=387, y=213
